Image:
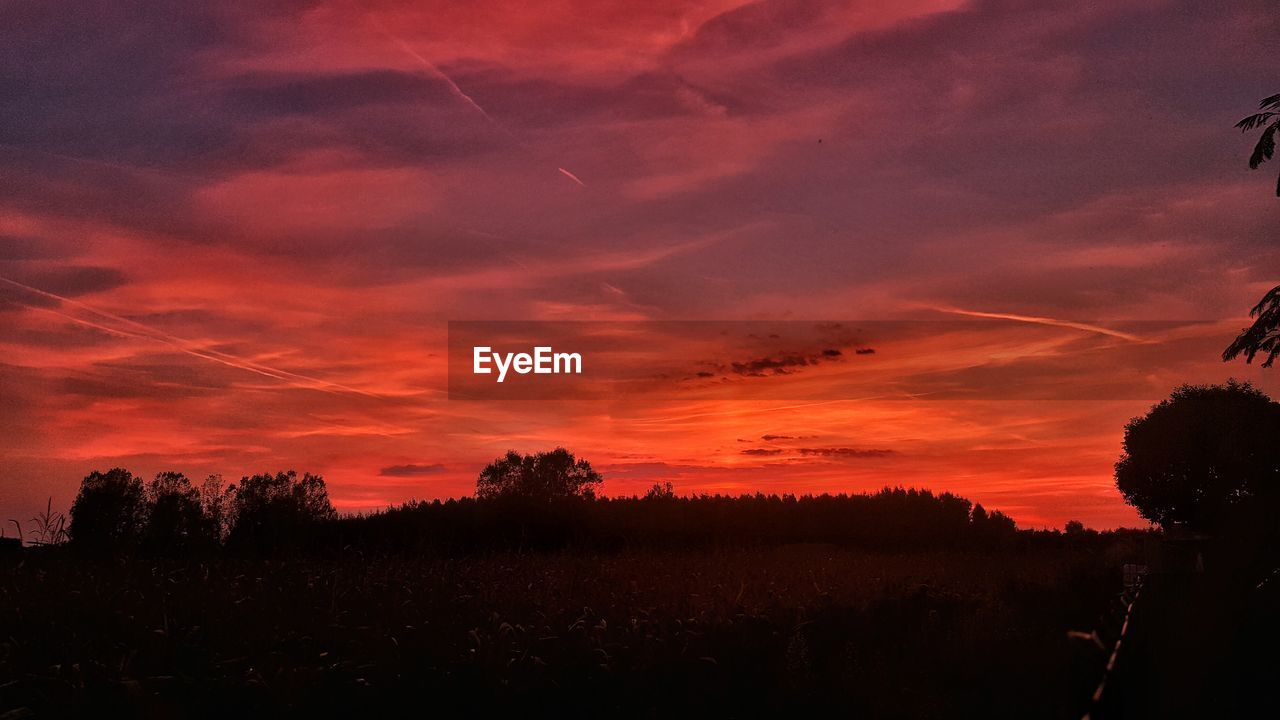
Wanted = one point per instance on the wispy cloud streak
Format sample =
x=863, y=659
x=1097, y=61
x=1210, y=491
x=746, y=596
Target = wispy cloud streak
x=1037, y=320
x=189, y=347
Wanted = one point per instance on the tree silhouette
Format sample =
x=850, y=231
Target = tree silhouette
x=1200, y=453
x=990, y=524
x=661, y=491
x=108, y=511
x=174, y=517
x=216, y=505
x=542, y=477
x=271, y=510
x=1266, y=147
x=1263, y=336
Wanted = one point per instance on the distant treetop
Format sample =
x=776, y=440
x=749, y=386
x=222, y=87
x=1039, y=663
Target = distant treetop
x=540, y=477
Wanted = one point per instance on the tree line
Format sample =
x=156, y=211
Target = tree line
x=535, y=501
x=891, y=519
x=116, y=510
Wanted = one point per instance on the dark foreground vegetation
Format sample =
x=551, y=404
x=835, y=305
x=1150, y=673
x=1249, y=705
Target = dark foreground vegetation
x=758, y=631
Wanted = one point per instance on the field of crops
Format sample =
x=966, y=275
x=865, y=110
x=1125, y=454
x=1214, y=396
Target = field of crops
x=632, y=633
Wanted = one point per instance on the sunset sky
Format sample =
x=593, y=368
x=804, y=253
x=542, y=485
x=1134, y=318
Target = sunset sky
x=231, y=238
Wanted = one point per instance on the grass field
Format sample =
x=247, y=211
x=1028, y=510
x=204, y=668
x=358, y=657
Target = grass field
x=630, y=633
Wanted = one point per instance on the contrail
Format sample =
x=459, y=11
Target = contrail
x=485, y=237
x=434, y=70
x=187, y=346
x=140, y=336
x=571, y=176
x=453, y=86
x=457, y=91
x=1036, y=320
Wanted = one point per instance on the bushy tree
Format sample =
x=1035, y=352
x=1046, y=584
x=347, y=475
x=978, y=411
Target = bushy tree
x=174, y=518
x=1203, y=452
x=271, y=510
x=109, y=510
x=541, y=477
